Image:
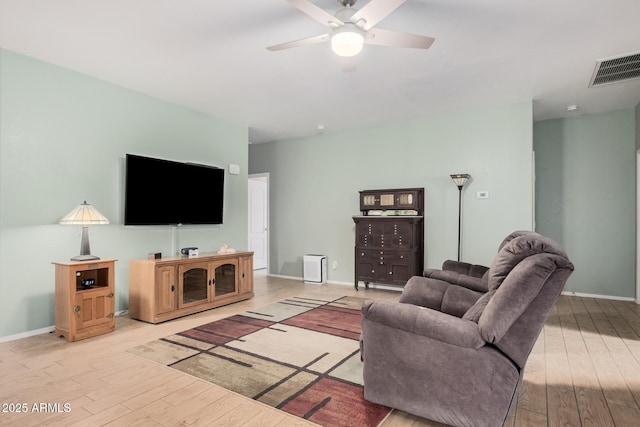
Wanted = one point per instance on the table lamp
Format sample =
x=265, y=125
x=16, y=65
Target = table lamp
x=84, y=215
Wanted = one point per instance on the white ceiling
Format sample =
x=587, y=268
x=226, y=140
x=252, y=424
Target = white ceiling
x=210, y=55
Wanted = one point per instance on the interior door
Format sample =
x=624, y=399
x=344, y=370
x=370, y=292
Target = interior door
x=258, y=229
x=637, y=227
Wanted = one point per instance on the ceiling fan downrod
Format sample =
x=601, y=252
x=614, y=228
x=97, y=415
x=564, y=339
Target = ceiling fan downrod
x=347, y=3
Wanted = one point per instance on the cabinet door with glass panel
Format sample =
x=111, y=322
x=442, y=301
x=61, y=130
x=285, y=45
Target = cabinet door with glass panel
x=224, y=278
x=193, y=284
x=203, y=282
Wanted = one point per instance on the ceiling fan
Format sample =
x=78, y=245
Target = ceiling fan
x=350, y=28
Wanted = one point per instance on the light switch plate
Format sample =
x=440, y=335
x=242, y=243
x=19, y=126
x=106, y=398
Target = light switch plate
x=234, y=169
x=482, y=195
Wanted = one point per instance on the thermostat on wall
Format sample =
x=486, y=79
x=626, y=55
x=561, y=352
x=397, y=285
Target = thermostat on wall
x=234, y=169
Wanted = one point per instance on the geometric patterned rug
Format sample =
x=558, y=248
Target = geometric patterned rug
x=299, y=355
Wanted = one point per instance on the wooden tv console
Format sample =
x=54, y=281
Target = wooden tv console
x=167, y=288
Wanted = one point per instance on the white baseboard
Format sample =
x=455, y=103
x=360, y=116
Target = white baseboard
x=341, y=283
x=27, y=334
x=301, y=279
x=280, y=276
x=42, y=330
x=610, y=297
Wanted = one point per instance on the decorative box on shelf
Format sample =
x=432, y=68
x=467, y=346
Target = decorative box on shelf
x=389, y=241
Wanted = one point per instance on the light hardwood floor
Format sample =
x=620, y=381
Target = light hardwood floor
x=584, y=370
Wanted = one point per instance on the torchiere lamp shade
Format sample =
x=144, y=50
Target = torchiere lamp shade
x=85, y=215
x=460, y=179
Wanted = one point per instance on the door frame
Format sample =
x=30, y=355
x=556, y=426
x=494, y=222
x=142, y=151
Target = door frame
x=266, y=178
x=638, y=227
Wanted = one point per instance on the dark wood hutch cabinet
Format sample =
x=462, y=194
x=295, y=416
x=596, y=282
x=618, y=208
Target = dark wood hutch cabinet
x=389, y=246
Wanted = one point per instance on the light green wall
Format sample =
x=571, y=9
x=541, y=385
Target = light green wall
x=585, y=187
x=63, y=139
x=637, y=110
x=314, y=184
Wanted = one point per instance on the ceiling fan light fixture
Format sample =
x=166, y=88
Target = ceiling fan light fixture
x=347, y=41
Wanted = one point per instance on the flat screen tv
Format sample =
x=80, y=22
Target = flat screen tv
x=165, y=192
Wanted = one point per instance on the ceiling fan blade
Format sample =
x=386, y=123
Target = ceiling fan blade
x=320, y=15
x=302, y=42
x=380, y=37
x=374, y=12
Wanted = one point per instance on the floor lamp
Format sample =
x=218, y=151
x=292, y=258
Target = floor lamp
x=460, y=179
x=84, y=215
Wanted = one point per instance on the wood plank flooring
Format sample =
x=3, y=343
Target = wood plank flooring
x=583, y=371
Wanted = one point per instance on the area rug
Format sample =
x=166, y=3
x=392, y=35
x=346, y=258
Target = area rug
x=300, y=355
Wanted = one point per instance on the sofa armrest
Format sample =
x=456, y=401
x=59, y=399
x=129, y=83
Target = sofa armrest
x=424, y=321
x=460, y=279
x=460, y=267
x=457, y=266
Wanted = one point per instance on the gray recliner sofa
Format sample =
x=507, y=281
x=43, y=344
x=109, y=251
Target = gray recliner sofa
x=467, y=275
x=463, y=369
x=452, y=291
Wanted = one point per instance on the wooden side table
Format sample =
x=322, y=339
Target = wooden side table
x=85, y=302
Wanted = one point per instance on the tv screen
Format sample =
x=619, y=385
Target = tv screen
x=165, y=192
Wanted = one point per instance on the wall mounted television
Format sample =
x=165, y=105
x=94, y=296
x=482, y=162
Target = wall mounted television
x=166, y=192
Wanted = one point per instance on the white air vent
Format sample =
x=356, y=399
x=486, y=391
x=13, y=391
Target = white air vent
x=616, y=69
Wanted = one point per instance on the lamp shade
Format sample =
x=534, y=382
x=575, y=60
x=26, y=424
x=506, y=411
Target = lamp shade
x=347, y=40
x=84, y=214
x=460, y=179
